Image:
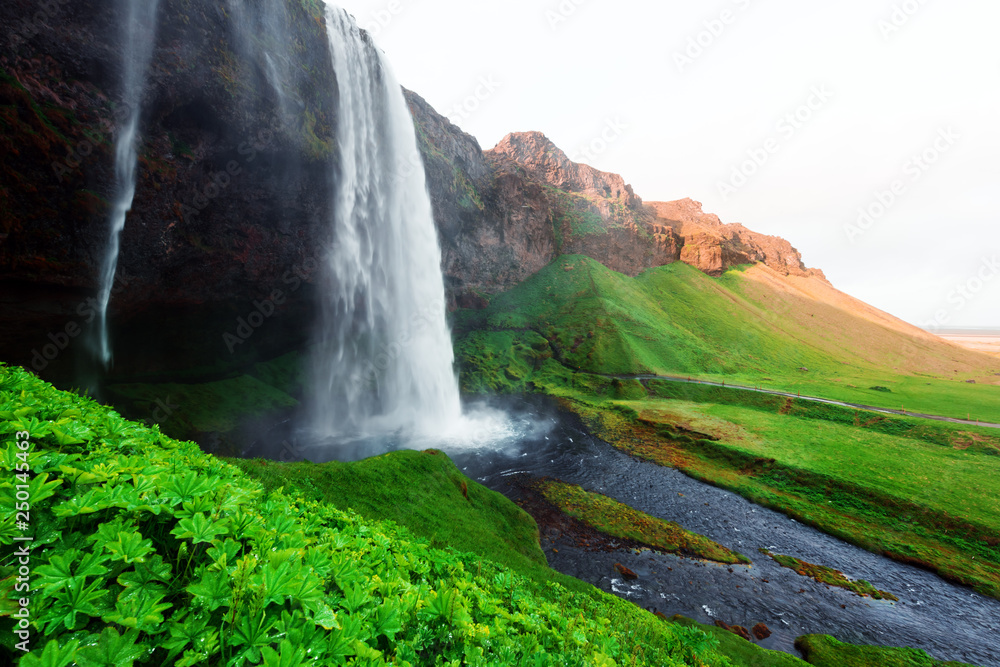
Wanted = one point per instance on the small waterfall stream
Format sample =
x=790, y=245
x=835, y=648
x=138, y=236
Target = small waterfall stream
x=139, y=37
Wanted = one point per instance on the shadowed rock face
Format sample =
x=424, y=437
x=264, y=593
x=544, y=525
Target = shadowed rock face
x=233, y=194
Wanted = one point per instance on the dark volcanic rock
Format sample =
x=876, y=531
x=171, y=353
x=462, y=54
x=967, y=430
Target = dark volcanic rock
x=625, y=572
x=233, y=196
x=227, y=205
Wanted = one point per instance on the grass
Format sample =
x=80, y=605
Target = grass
x=797, y=472
x=742, y=652
x=422, y=491
x=149, y=552
x=829, y=576
x=187, y=410
x=674, y=320
x=614, y=518
x=825, y=651
x=920, y=491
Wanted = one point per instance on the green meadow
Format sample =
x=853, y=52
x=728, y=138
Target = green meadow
x=921, y=491
x=748, y=327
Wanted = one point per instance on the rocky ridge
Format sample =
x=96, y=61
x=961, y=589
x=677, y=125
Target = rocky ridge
x=232, y=199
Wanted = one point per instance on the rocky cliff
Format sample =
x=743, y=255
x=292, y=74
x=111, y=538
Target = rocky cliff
x=506, y=212
x=233, y=196
x=237, y=111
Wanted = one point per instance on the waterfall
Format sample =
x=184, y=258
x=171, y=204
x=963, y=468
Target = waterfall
x=383, y=362
x=139, y=37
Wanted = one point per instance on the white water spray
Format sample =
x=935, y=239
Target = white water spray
x=384, y=360
x=139, y=38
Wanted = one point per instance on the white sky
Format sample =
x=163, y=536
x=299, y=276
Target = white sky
x=578, y=69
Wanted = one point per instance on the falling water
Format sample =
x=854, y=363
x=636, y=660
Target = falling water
x=139, y=34
x=384, y=359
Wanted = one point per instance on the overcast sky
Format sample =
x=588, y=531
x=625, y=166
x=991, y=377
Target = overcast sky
x=786, y=115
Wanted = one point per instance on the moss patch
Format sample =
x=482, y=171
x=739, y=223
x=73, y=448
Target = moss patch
x=614, y=518
x=829, y=576
x=825, y=651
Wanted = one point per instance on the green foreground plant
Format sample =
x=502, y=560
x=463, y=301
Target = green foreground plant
x=149, y=552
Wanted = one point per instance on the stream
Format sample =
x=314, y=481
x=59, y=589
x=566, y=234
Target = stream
x=948, y=621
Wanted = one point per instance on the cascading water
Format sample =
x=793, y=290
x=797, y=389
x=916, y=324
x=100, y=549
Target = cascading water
x=383, y=363
x=139, y=36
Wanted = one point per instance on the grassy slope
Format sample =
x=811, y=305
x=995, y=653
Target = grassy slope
x=920, y=491
x=423, y=492
x=148, y=551
x=674, y=320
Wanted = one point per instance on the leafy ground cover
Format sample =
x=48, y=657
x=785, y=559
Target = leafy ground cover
x=614, y=518
x=148, y=552
x=829, y=576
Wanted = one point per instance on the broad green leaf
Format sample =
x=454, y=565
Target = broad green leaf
x=60, y=571
x=181, y=488
x=153, y=569
x=129, y=547
x=143, y=611
x=74, y=599
x=224, y=554
x=252, y=633
x=112, y=650
x=200, y=528
x=94, y=500
x=287, y=655
x=387, y=620
x=191, y=631
x=213, y=589
x=191, y=507
x=52, y=655
x=277, y=583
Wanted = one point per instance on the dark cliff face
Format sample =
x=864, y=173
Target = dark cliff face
x=233, y=185
x=506, y=213
x=219, y=254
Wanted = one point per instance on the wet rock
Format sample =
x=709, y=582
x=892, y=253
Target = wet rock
x=761, y=631
x=625, y=572
x=735, y=629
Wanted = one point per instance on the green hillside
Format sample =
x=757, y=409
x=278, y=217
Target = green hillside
x=675, y=320
x=149, y=552
x=917, y=490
